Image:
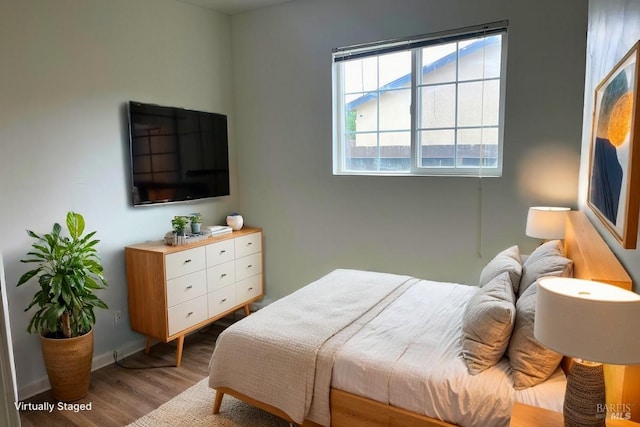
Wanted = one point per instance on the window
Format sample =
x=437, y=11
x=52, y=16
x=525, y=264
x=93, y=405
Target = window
x=429, y=105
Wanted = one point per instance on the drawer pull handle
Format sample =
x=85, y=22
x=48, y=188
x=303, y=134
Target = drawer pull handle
x=189, y=313
x=223, y=251
x=190, y=286
x=186, y=261
x=223, y=300
x=250, y=289
x=250, y=243
x=249, y=266
x=223, y=275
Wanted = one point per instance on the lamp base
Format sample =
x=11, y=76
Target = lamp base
x=584, y=399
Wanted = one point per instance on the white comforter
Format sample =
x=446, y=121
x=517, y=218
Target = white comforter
x=394, y=339
x=410, y=356
x=272, y=355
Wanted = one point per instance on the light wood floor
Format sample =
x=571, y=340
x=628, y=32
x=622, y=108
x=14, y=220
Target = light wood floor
x=119, y=396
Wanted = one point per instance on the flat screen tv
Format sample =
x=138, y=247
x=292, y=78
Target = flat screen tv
x=177, y=155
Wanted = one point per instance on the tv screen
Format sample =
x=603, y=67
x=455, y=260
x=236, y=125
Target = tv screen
x=177, y=154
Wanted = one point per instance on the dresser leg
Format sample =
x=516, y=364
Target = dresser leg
x=246, y=310
x=147, y=348
x=179, y=350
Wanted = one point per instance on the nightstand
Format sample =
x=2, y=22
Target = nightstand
x=531, y=416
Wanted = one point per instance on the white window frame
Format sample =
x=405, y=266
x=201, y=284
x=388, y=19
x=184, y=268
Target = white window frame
x=414, y=44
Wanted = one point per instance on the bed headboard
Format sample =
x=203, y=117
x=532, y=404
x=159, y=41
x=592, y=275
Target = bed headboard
x=594, y=260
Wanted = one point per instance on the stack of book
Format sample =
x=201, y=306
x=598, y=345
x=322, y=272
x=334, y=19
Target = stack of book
x=215, y=230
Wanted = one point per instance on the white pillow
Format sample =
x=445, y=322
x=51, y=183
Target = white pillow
x=531, y=362
x=546, y=260
x=487, y=324
x=508, y=260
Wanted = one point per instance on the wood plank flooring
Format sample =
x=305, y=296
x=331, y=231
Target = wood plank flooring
x=120, y=396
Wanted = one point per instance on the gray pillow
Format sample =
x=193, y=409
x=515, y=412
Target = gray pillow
x=546, y=260
x=508, y=260
x=531, y=362
x=487, y=324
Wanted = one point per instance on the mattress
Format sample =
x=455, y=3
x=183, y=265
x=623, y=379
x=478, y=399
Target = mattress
x=410, y=356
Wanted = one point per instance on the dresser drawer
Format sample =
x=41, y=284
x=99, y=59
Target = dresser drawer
x=249, y=288
x=248, y=266
x=187, y=314
x=221, y=252
x=221, y=300
x=185, y=262
x=249, y=244
x=221, y=275
x=186, y=287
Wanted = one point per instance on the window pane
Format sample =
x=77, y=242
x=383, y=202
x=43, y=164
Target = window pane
x=363, y=116
x=480, y=58
x=438, y=106
x=439, y=63
x=478, y=103
x=437, y=148
x=361, y=152
x=477, y=147
x=395, y=151
x=395, y=113
x=395, y=70
x=360, y=75
x=365, y=139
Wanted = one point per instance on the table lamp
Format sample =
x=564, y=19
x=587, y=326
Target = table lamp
x=545, y=222
x=596, y=323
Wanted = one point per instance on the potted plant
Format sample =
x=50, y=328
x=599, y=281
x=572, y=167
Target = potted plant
x=195, y=220
x=68, y=271
x=179, y=223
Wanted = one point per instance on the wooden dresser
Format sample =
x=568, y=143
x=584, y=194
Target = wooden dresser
x=175, y=290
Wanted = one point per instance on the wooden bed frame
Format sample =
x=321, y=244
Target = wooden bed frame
x=592, y=259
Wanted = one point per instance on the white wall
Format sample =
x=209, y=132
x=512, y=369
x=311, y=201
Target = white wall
x=68, y=68
x=433, y=227
x=614, y=27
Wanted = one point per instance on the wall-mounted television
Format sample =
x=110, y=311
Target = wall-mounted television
x=177, y=154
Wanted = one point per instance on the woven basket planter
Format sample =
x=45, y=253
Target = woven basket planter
x=68, y=362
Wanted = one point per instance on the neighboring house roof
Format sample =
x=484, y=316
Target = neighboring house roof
x=406, y=79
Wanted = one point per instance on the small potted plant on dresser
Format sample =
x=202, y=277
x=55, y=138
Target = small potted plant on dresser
x=68, y=271
x=179, y=224
x=196, y=220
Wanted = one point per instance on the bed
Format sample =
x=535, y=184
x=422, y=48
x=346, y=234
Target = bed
x=390, y=349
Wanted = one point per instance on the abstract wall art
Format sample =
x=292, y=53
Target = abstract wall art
x=614, y=172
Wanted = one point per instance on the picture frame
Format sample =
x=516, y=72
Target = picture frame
x=614, y=166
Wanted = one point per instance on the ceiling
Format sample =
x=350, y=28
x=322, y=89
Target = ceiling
x=232, y=7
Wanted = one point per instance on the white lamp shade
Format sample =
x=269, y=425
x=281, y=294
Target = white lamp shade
x=588, y=320
x=546, y=222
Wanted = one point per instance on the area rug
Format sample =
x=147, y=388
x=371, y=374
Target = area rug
x=193, y=407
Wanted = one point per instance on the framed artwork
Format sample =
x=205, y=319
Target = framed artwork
x=614, y=169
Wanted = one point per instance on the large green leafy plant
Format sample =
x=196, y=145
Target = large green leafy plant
x=68, y=271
